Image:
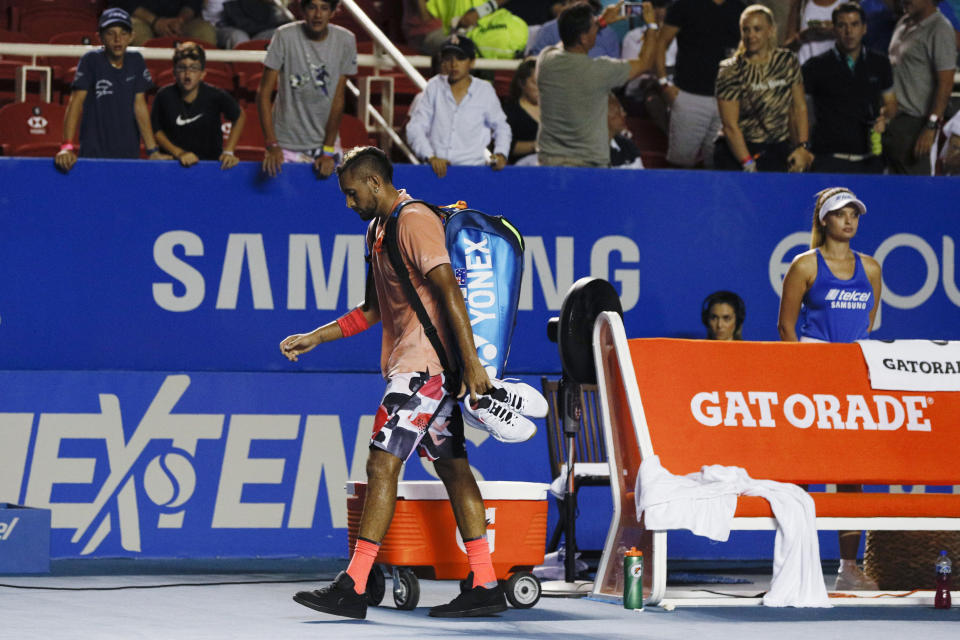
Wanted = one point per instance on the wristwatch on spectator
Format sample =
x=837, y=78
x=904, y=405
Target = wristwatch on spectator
x=664, y=81
x=805, y=144
x=933, y=122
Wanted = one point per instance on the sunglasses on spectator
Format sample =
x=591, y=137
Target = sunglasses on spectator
x=183, y=68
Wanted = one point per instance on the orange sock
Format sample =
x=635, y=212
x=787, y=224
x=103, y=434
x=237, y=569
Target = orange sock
x=364, y=553
x=478, y=553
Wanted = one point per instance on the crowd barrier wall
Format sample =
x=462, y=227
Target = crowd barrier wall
x=143, y=398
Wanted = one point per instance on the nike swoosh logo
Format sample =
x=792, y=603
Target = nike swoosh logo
x=181, y=121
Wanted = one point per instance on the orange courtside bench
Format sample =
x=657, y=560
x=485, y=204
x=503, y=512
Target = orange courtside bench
x=797, y=413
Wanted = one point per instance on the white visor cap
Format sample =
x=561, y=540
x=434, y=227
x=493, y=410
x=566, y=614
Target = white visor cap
x=839, y=201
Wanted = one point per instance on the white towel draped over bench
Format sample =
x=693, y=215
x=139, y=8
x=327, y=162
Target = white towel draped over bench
x=705, y=503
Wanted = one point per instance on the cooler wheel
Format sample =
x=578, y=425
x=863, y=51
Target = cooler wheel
x=522, y=590
x=406, y=589
x=376, y=585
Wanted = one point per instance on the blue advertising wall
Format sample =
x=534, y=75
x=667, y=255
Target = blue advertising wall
x=143, y=398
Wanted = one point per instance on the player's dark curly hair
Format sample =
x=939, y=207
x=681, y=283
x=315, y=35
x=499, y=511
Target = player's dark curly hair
x=368, y=160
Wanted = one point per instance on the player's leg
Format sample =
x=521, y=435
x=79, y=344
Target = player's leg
x=408, y=406
x=482, y=594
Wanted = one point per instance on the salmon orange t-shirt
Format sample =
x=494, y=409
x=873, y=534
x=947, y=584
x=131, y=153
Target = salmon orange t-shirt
x=420, y=236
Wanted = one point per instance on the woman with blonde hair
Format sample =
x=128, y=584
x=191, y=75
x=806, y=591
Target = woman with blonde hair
x=761, y=102
x=838, y=290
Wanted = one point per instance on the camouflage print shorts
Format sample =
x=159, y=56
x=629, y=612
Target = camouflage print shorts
x=417, y=413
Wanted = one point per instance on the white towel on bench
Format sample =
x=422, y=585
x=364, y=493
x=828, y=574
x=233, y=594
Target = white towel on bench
x=705, y=502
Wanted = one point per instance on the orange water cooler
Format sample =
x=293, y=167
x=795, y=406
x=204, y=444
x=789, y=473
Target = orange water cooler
x=423, y=540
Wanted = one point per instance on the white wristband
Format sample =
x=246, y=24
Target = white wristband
x=227, y=153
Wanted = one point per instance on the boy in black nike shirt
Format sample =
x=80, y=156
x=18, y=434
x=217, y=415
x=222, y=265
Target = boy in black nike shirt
x=186, y=115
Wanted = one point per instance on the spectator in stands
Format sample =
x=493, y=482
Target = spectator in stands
x=452, y=119
x=607, y=42
x=522, y=109
x=923, y=53
x=307, y=62
x=810, y=29
x=623, y=153
x=495, y=31
x=950, y=154
x=761, y=102
x=574, y=90
x=238, y=21
x=421, y=29
x=107, y=99
x=722, y=314
x=645, y=90
x=852, y=92
x=169, y=19
x=706, y=32
x=186, y=115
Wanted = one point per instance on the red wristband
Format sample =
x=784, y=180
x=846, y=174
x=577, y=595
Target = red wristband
x=353, y=323
x=67, y=146
x=602, y=22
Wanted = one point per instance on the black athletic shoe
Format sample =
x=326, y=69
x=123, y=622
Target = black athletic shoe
x=338, y=598
x=478, y=601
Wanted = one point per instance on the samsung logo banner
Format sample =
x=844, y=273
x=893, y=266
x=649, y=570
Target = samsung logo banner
x=188, y=288
x=331, y=272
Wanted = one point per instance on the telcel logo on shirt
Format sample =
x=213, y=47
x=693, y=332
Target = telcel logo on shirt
x=843, y=299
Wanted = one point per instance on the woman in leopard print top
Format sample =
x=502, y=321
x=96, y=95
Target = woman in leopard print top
x=760, y=96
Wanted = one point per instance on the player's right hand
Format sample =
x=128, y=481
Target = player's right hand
x=297, y=344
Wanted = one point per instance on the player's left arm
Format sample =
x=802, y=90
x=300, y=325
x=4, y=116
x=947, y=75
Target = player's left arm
x=872, y=267
x=475, y=377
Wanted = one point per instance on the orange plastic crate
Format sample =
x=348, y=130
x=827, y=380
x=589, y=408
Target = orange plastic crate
x=423, y=533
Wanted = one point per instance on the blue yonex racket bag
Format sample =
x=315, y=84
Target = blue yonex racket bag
x=486, y=254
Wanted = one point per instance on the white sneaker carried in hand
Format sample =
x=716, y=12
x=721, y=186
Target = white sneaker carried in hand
x=501, y=421
x=520, y=396
x=853, y=579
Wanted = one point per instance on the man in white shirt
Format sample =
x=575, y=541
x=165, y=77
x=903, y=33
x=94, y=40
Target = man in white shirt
x=455, y=117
